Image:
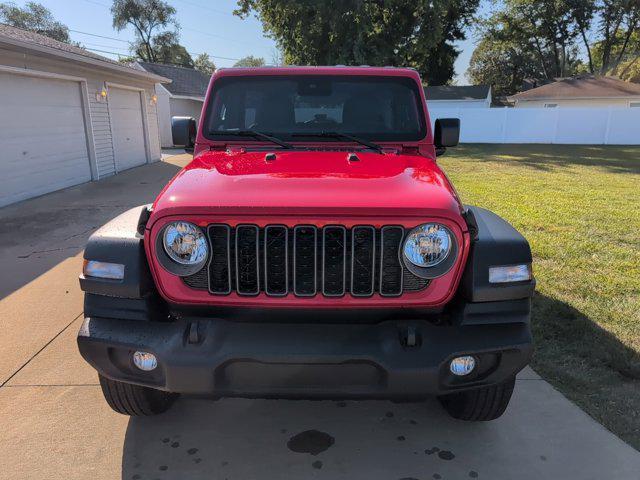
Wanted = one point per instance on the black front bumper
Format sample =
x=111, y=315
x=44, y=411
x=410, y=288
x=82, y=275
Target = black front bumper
x=228, y=358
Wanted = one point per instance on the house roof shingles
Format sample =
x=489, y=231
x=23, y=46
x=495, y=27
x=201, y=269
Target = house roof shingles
x=581, y=87
x=454, y=92
x=184, y=81
x=25, y=36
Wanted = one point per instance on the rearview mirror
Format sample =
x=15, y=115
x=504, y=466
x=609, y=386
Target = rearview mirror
x=183, y=130
x=446, y=134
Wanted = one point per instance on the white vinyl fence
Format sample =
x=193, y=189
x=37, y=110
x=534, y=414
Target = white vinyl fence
x=586, y=126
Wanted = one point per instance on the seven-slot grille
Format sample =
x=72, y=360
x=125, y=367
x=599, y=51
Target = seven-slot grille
x=305, y=261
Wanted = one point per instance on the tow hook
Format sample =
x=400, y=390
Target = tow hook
x=409, y=337
x=193, y=334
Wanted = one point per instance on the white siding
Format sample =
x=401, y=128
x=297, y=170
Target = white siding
x=102, y=136
x=154, y=134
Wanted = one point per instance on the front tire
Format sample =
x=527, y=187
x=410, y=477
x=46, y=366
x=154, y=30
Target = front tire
x=135, y=400
x=481, y=404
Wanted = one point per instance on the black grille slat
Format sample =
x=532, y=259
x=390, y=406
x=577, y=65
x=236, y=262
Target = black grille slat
x=305, y=257
x=280, y=260
x=276, y=262
x=363, y=241
x=220, y=261
x=334, y=252
x=390, y=267
x=247, y=260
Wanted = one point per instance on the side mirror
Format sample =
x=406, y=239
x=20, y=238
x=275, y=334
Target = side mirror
x=446, y=134
x=183, y=130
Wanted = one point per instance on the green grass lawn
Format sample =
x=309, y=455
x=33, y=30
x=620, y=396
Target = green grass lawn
x=579, y=207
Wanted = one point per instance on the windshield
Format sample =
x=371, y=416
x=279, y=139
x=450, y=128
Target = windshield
x=372, y=108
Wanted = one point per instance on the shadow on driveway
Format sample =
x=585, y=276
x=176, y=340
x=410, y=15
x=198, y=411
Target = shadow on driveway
x=39, y=233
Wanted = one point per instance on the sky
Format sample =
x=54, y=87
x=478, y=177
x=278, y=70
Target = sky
x=206, y=26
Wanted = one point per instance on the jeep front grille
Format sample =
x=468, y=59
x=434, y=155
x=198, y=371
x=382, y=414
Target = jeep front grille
x=305, y=261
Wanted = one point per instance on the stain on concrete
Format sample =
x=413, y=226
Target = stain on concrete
x=413, y=422
x=317, y=464
x=437, y=476
x=341, y=404
x=389, y=414
x=163, y=468
x=165, y=440
x=446, y=455
x=224, y=463
x=401, y=438
x=283, y=430
x=473, y=474
x=543, y=458
x=197, y=460
x=137, y=476
x=192, y=451
x=175, y=444
x=310, y=441
x=408, y=478
x=431, y=451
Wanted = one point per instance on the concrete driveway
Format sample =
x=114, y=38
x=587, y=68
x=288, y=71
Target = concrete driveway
x=54, y=423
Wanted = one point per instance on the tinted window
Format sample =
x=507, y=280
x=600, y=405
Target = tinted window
x=374, y=108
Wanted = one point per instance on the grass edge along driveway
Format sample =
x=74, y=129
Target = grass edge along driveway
x=579, y=207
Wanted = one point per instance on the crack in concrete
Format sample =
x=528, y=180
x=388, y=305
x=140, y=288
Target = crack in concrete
x=35, y=252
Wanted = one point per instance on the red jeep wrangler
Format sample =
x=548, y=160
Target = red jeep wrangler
x=312, y=248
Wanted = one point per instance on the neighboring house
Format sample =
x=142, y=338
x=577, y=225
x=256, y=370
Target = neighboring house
x=453, y=96
x=183, y=97
x=68, y=116
x=581, y=92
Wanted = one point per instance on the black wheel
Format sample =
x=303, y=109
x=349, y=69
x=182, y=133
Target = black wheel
x=135, y=400
x=481, y=404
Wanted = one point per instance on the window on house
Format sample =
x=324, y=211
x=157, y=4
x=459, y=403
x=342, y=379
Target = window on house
x=634, y=104
x=550, y=105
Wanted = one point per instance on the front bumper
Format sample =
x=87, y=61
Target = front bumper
x=293, y=360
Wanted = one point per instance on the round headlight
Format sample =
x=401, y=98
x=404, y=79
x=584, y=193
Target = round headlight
x=185, y=243
x=428, y=245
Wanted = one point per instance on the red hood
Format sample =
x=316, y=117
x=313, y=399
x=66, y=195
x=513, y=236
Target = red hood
x=318, y=182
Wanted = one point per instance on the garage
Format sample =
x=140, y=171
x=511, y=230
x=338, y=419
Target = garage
x=69, y=116
x=43, y=136
x=125, y=110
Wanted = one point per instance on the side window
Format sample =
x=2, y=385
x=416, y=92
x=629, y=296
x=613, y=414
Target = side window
x=634, y=104
x=550, y=105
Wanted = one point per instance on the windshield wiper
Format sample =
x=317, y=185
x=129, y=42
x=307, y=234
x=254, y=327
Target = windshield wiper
x=366, y=143
x=254, y=134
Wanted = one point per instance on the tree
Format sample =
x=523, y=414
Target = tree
x=167, y=50
x=618, y=28
x=607, y=30
x=503, y=64
x=204, y=64
x=250, y=61
x=413, y=33
x=148, y=17
x=35, y=18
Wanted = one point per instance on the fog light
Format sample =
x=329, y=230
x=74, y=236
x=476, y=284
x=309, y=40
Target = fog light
x=462, y=365
x=145, y=361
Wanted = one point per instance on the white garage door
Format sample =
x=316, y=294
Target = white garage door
x=43, y=144
x=125, y=109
